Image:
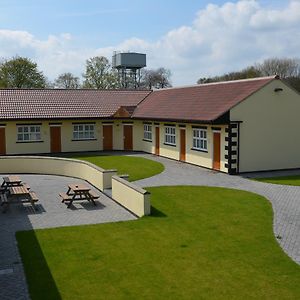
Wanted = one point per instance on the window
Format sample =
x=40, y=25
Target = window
x=170, y=138
x=83, y=131
x=200, y=139
x=29, y=133
x=147, y=132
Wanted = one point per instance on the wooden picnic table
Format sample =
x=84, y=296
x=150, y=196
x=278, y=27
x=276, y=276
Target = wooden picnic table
x=8, y=181
x=77, y=192
x=20, y=193
x=18, y=190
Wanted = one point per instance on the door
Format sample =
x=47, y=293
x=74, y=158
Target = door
x=157, y=140
x=2, y=141
x=182, y=145
x=217, y=151
x=107, y=137
x=127, y=137
x=55, y=139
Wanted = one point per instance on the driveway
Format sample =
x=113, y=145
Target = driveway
x=285, y=199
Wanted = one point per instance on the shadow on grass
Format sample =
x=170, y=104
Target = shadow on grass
x=40, y=282
x=157, y=213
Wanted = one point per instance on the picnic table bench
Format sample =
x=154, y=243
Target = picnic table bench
x=13, y=189
x=78, y=192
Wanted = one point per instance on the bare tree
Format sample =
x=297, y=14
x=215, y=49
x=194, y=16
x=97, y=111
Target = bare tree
x=284, y=67
x=67, y=81
x=159, y=78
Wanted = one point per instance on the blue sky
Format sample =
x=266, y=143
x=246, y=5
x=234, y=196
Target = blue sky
x=192, y=38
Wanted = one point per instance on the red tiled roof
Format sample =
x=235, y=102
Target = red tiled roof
x=57, y=103
x=204, y=102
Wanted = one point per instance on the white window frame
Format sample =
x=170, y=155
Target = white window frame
x=29, y=133
x=148, y=132
x=83, y=132
x=200, y=139
x=170, y=135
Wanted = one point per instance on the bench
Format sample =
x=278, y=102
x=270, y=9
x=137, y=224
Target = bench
x=26, y=185
x=94, y=194
x=64, y=197
x=33, y=197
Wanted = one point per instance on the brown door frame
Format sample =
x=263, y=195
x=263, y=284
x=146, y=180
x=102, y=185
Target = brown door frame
x=112, y=136
x=182, y=148
x=157, y=140
x=216, y=132
x=51, y=143
x=130, y=148
x=3, y=146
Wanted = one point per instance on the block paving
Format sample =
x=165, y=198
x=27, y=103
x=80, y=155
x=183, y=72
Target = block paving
x=51, y=212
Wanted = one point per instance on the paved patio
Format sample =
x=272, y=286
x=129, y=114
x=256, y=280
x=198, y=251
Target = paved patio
x=285, y=199
x=50, y=213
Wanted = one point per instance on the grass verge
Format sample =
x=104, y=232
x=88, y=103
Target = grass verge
x=285, y=180
x=136, y=167
x=200, y=243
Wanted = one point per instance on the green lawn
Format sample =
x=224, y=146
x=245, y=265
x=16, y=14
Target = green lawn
x=200, y=243
x=286, y=180
x=136, y=167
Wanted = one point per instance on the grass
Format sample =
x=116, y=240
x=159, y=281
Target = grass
x=200, y=243
x=285, y=180
x=136, y=167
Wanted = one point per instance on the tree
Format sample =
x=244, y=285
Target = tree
x=159, y=78
x=249, y=72
x=99, y=75
x=21, y=72
x=284, y=67
x=67, y=81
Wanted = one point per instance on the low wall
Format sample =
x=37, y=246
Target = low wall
x=98, y=177
x=134, y=198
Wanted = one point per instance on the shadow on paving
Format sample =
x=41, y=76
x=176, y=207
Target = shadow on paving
x=12, y=280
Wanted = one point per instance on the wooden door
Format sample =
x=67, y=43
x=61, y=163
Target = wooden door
x=157, y=140
x=217, y=151
x=107, y=137
x=2, y=141
x=55, y=139
x=128, y=145
x=182, y=145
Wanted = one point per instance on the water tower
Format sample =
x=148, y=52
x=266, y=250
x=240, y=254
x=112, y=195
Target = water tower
x=129, y=65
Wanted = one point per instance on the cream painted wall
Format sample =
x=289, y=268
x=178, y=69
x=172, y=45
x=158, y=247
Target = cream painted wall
x=68, y=145
x=100, y=178
x=205, y=159
x=134, y=198
x=194, y=157
x=269, y=134
x=14, y=147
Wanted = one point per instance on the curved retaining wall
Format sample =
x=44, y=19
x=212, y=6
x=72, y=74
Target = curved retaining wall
x=98, y=177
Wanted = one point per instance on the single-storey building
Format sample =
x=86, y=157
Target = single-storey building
x=235, y=126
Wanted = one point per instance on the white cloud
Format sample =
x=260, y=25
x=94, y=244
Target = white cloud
x=221, y=38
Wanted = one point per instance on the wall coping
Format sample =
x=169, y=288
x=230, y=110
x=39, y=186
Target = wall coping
x=59, y=158
x=130, y=185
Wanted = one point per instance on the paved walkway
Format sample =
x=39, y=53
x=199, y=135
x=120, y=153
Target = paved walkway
x=51, y=213
x=285, y=199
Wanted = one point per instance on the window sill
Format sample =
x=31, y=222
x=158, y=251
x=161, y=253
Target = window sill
x=172, y=145
x=149, y=141
x=28, y=142
x=199, y=150
x=82, y=140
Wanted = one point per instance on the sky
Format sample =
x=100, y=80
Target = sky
x=191, y=38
